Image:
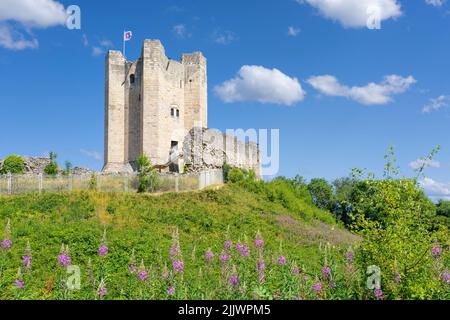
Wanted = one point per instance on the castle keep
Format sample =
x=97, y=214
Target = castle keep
x=152, y=106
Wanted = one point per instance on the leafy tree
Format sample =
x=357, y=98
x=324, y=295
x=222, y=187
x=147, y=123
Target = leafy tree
x=13, y=164
x=322, y=194
x=394, y=218
x=148, y=178
x=443, y=208
x=51, y=168
x=342, y=208
x=68, y=167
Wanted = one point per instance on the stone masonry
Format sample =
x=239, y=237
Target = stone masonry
x=151, y=106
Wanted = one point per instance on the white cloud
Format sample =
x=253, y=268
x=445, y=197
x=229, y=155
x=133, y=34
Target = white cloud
x=85, y=40
x=256, y=83
x=102, y=47
x=92, y=154
x=371, y=94
x=434, y=189
x=33, y=13
x=181, y=31
x=225, y=37
x=419, y=163
x=27, y=14
x=436, y=104
x=436, y=3
x=14, y=40
x=355, y=13
x=293, y=31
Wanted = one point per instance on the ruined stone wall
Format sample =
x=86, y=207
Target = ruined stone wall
x=209, y=149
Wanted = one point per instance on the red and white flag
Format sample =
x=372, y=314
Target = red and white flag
x=127, y=35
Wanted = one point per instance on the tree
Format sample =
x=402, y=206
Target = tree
x=13, y=164
x=443, y=208
x=148, y=178
x=68, y=167
x=343, y=188
x=322, y=194
x=51, y=168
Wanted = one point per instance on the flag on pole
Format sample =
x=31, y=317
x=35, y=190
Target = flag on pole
x=127, y=35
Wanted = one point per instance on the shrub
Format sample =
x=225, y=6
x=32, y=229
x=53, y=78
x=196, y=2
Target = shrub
x=13, y=164
x=148, y=178
x=52, y=168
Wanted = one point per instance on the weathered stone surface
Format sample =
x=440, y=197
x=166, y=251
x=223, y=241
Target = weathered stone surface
x=36, y=165
x=153, y=103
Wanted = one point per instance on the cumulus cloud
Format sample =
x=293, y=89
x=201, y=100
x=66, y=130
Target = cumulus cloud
x=27, y=14
x=101, y=48
x=13, y=40
x=435, y=189
x=92, y=154
x=370, y=94
x=355, y=13
x=293, y=31
x=436, y=3
x=436, y=104
x=180, y=31
x=256, y=83
x=224, y=37
x=419, y=163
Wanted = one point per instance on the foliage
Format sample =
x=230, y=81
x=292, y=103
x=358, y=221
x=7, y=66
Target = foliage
x=322, y=194
x=67, y=167
x=148, y=179
x=394, y=218
x=93, y=183
x=13, y=164
x=146, y=223
x=52, y=168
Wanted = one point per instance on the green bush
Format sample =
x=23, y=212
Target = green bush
x=13, y=164
x=52, y=168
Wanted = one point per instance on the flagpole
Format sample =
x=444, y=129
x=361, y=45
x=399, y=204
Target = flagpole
x=123, y=38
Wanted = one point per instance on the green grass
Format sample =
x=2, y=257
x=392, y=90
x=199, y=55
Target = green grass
x=146, y=223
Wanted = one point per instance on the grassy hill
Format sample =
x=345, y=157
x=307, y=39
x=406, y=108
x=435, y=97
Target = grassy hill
x=287, y=220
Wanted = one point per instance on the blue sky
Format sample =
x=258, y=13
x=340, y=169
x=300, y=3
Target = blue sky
x=340, y=93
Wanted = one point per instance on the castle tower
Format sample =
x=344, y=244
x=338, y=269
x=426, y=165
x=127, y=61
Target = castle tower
x=150, y=106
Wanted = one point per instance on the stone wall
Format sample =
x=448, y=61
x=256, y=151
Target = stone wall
x=209, y=149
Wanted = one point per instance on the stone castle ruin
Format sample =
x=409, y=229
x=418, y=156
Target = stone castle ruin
x=159, y=107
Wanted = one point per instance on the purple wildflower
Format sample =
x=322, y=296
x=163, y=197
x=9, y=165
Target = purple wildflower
x=295, y=270
x=398, y=278
x=209, y=255
x=224, y=257
x=234, y=280
x=19, y=283
x=132, y=268
x=178, y=266
x=244, y=251
x=64, y=260
x=282, y=260
x=227, y=245
x=332, y=285
x=102, y=291
x=103, y=250
x=378, y=293
x=349, y=256
x=317, y=287
x=171, y=291
x=174, y=251
x=142, y=275
x=436, y=252
x=326, y=271
x=260, y=268
x=259, y=241
x=446, y=278
x=6, y=244
x=26, y=261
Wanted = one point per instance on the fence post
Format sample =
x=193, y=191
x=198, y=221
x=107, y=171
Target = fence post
x=9, y=183
x=177, y=187
x=40, y=178
x=70, y=181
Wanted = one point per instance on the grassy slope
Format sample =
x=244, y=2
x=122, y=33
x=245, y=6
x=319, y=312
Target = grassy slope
x=145, y=223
